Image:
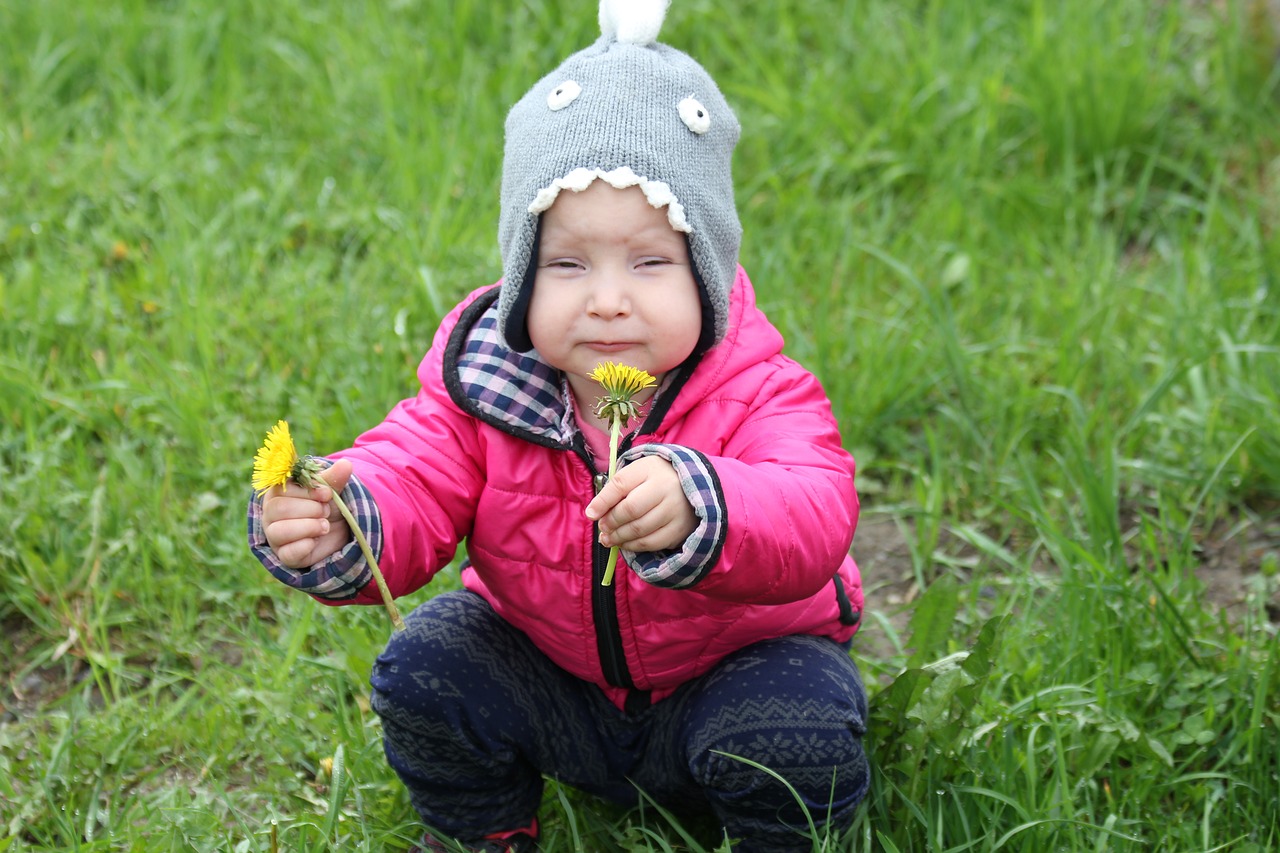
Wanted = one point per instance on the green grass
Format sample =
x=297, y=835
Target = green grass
x=1031, y=249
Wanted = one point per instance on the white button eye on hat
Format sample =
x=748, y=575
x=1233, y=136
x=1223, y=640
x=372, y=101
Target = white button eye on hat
x=694, y=115
x=563, y=95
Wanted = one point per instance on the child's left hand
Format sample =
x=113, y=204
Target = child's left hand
x=643, y=508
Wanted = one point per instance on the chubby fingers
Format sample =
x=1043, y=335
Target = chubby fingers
x=298, y=539
x=294, y=501
x=652, y=532
x=278, y=497
x=643, y=508
x=618, y=489
x=294, y=518
x=294, y=522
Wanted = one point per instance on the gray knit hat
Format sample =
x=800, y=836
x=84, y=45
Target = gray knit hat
x=634, y=113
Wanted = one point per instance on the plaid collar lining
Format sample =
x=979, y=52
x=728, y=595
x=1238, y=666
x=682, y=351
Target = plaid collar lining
x=517, y=391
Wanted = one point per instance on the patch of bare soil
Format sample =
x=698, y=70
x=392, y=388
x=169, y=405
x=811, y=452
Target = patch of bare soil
x=889, y=582
x=1241, y=559
x=884, y=559
x=24, y=693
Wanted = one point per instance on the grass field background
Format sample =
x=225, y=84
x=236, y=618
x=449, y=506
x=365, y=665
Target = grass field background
x=1030, y=248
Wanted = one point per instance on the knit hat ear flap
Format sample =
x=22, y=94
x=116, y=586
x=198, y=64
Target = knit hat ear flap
x=513, y=325
x=707, y=337
x=632, y=112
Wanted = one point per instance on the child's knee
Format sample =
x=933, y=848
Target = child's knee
x=812, y=778
x=820, y=766
x=445, y=643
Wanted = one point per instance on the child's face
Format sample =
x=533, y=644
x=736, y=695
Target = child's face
x=614, y=283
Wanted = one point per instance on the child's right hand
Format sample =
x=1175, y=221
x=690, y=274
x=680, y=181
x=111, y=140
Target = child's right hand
x=303, y=526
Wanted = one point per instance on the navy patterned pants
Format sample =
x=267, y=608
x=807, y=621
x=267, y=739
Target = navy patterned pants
x=474, y=715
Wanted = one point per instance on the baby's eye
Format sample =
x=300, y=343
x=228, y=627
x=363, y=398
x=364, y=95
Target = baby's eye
x=694, y=115
x=563, y=95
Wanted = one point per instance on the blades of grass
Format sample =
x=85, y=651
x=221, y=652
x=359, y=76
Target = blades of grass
x=932, y=620
x=1018, y=830
x=670, y=818
x=944, y=320
x=337, y=792
x=299, y=633
x=795, y=795
x=994, y=795
x=1263, y=687
x=1209, y=483
x=985, y=544
x=888, y=630
x=1180, y=630
x=1147, y=405
x=570, y=818
x=1104, y=269
x=885, y=843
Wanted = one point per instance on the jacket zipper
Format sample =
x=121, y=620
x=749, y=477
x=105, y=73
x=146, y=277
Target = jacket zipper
x=604, y=604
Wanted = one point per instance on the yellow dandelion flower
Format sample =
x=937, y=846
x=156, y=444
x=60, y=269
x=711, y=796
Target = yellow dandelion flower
x=277, y=462
x=274, y=461
x=621, y=383
x=621, y=378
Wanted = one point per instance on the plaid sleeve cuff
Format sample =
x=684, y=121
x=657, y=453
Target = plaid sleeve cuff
x=341, y=575
x=683, y=567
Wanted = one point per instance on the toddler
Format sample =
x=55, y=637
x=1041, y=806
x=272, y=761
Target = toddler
x=724, y=637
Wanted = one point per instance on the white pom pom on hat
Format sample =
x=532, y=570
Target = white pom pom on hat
x=632, y=21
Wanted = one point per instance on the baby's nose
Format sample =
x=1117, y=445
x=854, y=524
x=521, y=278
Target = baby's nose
x=609, y=297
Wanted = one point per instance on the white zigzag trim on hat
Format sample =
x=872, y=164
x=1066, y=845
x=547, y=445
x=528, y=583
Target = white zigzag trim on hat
x=658, y=193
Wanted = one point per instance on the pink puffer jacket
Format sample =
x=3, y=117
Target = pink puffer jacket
x=488, y=453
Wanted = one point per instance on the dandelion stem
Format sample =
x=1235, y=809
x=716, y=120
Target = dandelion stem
x=610, y=566
x=615, y=432
x=621, y=383
x=387, y=600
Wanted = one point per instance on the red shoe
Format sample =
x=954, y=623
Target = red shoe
x=520, y=841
